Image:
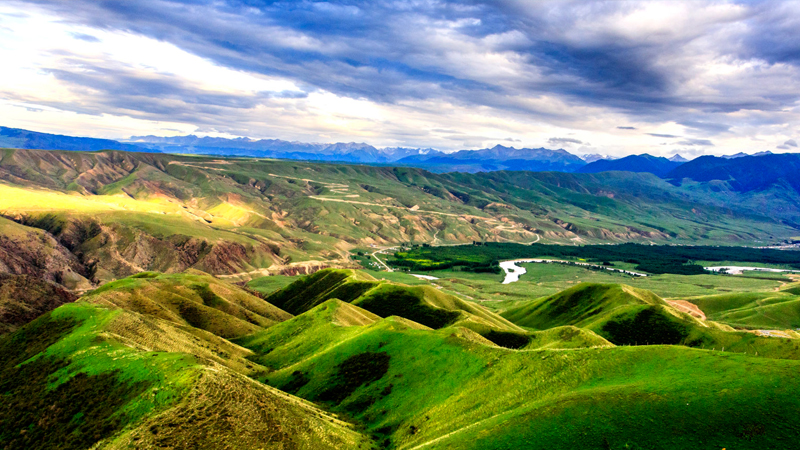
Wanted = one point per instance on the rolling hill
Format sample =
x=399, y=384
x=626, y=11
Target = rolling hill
x=629, y=316
x=110, y=375
x=186, y=360
x=377, y=371
x=191, y=298
x=743, y=174
x=634, y=163
x=423, y=304
x=107, y=215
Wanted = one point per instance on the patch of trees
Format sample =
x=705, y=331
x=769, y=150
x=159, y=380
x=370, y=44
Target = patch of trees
x=648, y=258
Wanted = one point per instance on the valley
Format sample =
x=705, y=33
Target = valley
x=258, y=303
x=399, y=225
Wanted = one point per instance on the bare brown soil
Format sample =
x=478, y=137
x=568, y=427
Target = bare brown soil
x=687, y=307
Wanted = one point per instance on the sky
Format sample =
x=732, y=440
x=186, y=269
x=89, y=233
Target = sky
x=613, y=78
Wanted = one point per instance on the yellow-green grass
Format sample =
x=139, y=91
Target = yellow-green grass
x=487, y=397
x=423, y=304
x=192, y=298
x=629, y=316
x=23, y=199
x=770, y=310
x=126, y=380
x=270, y=284
x=566, y=337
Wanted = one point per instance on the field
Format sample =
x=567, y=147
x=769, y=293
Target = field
x=195, y=302
x=122, y=213
x=653, y=259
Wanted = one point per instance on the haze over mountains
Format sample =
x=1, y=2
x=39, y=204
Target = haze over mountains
x=498, y=157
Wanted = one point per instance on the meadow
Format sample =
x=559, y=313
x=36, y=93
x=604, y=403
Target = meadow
x=179, y=340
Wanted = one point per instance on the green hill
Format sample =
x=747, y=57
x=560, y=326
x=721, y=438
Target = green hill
x=146, y=362
x=121, y=213
x=87, y=374
x=423, y=304
x=483, y=396
x=768, y=310
x=580, y=306
x=191, y=298
x=628, y=316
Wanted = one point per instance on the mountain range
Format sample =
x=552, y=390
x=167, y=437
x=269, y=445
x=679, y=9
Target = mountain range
x=634, y=163
x=150, y=300
x=495, y=158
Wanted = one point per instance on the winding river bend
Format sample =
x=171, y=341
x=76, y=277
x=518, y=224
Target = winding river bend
x=513, y=271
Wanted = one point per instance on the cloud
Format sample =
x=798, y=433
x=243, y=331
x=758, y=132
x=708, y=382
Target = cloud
x=85, y=37
x=791, y=143
x=700, y=142
x=563, y=141
x=707, y=127
x=484, y=69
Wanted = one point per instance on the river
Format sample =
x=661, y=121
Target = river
x=513, y=271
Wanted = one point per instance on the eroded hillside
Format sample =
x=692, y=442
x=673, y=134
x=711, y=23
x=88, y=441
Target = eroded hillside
x=113, y=214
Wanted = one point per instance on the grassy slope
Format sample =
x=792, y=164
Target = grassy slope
x=487, y=397
x=580, y=306
x=287, y=205
x=127, y=379
x=769, y=310
x=423, y=304
x=192, y=298
x=629, y=316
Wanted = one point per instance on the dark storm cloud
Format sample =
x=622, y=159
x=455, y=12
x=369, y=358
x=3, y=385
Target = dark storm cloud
x=394, y=51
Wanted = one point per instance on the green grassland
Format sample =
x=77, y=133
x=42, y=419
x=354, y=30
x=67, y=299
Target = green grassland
x=191, y=360
x=89, y=372
x=270, y=284
x=160, y=353
x=488, y=397
x=239, y=215
x=423, y=304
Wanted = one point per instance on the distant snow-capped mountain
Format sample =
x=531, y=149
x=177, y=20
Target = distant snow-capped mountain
x=592, y=157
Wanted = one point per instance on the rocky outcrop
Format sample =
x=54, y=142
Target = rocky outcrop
x=23, y=298
x=38, y=254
